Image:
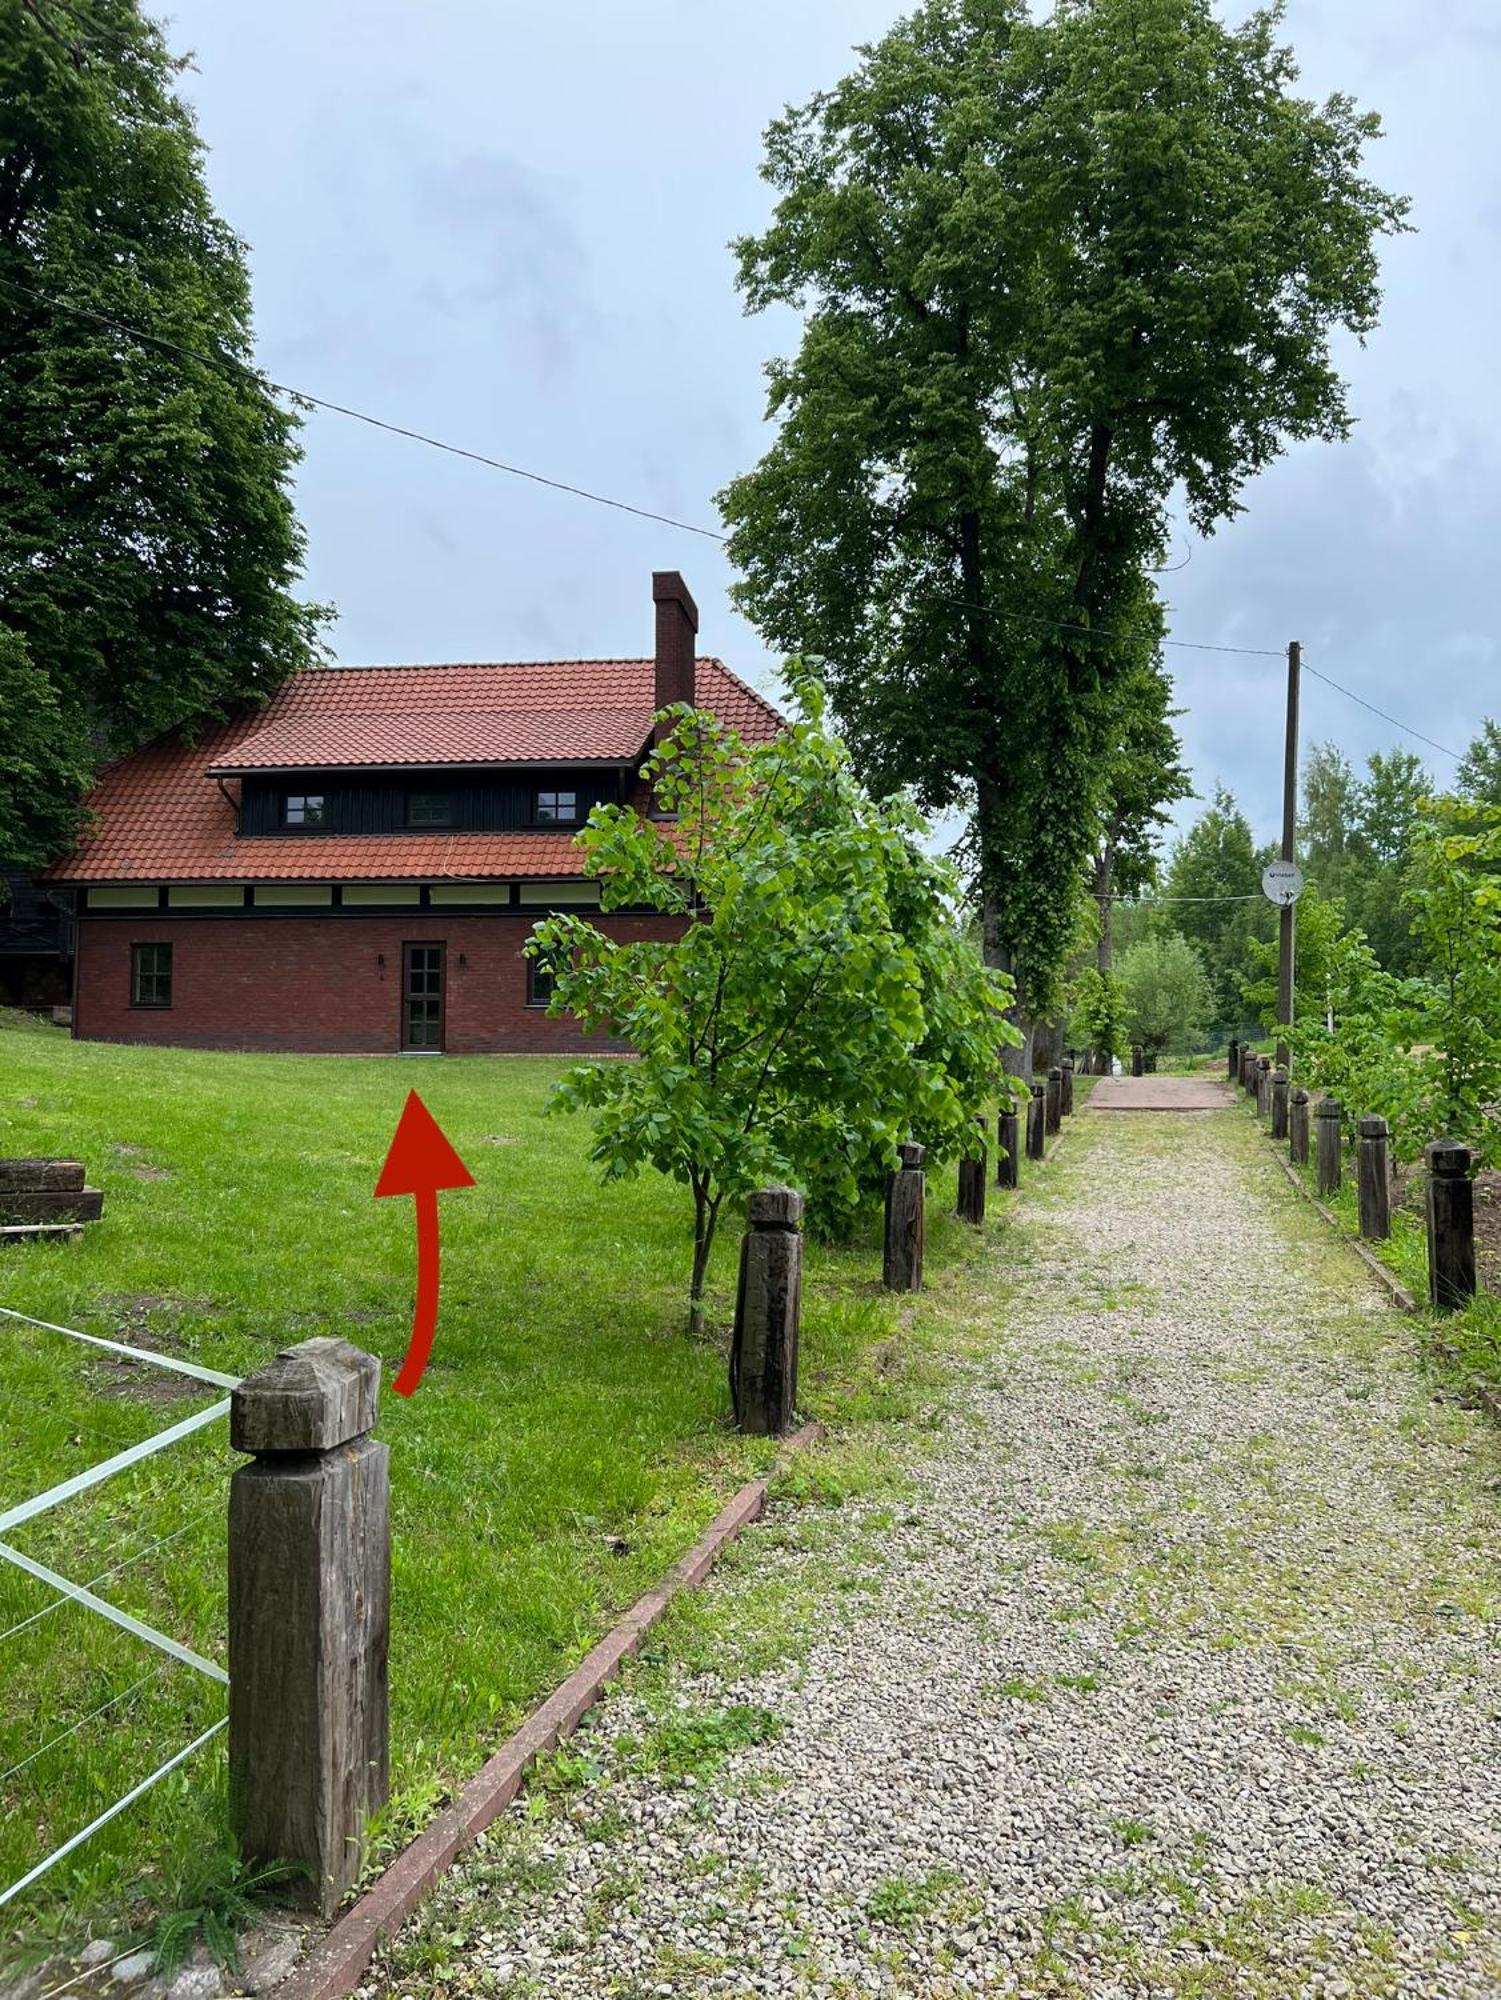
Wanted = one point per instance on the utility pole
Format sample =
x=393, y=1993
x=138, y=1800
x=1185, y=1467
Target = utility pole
x=1287, y=933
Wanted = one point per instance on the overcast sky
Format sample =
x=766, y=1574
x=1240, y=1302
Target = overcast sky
x=506, y=225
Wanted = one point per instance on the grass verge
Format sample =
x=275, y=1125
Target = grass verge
x=568, y=1442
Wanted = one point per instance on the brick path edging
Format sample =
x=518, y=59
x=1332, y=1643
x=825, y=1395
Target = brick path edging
x=336, y=1963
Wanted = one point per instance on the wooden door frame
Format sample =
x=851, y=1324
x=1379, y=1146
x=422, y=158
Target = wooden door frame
x=409, y=945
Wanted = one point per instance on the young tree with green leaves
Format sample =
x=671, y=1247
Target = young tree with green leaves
x=148, y=544
x=1053, y=273
x=819, y=1005
x=1455, y=905
x=1168, y=999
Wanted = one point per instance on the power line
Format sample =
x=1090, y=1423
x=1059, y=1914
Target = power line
x=1395, y=721
x=359, y=416
x=649, y=514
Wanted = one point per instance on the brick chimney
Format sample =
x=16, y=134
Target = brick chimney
x=677, y=637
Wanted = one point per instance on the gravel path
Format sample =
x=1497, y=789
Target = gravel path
x=1171, y=1671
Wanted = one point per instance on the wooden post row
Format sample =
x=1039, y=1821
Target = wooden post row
x=1263, y=1086
x=1232, y=1069
x=1053, y=1098
x=1279, y=1102
x=1374, y=1179
x=902, y=1269
x=768, y=1306
x=309, y=1615
x=1451, y=1225
x=1326, y=1120
x=1297, y=1126
x=1007, y=1147
x=971, y=1204
x=1037, y=1121
x=1067, y=1068
x=1138, y=1060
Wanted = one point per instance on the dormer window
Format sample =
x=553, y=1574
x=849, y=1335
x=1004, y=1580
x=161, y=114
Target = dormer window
x=557, y=809
x=304, y=809
x=429, y=809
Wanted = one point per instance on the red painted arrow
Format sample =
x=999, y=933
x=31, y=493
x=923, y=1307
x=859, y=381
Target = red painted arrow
x=420, y=1162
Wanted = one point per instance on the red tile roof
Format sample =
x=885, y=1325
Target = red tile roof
x=160, y=816
x=383, y=739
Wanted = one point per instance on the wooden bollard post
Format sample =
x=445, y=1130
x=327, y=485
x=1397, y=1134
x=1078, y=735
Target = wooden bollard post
x=1326, y=1117
x=1247, y=1068
x=1233, y=1067
x=1037, y=1124
x=1263, y=1086
x=1053, y=1098
x=1451, y=1225
x=309, y=1615
x=1297, y=1125
x=1067, y=1067
x=1008, y=1144
x=1138, y=1060
x=1279, y=1102
x=905, y=1190
x=768, y=1304
x=1373, y=1178
x=971, y=1203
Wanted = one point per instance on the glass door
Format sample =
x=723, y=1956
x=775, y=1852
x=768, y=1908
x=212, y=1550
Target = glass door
x=422, y=997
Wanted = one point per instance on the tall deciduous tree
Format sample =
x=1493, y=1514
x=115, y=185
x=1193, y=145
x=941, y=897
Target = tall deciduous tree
x=1052, y=271
x=148, y=544
x=1479, y=775
x=1145, y=775
x=1214, y=887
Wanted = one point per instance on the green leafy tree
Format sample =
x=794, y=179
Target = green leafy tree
x=1215, y=900
x=1145, y=775
x=1390, y=807
x=148, y=543
x=1329, y=825
x=1479, y=775
x=1054, y=272
x=818, y=1006
x=1097, y=1017
x=44, y=763
x=1169, y=1000
x=1455, y=903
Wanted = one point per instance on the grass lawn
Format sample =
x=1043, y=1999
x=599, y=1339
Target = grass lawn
x=565, y=1412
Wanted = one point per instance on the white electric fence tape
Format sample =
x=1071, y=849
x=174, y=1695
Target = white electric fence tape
x=40, y=1503
x=109, y=1813
x=113, y=1613
x=136, y=1353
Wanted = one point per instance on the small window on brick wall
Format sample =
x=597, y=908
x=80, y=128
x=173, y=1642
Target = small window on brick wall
x=304, y=809
x=539, y=984
x=557, y=808
x=151, y=975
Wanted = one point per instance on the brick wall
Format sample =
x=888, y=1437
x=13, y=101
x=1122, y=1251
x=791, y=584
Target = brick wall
x=314, y=984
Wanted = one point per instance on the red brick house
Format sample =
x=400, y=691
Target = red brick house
x=356, y=867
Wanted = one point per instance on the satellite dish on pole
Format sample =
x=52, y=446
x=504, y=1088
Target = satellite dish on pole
x=1282, y=883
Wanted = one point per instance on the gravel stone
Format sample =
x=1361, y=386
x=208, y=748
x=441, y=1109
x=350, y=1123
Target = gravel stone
x=1176, y=1672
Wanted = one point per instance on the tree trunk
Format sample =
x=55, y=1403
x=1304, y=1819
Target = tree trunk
x=705, y=1215
x=1014, y=1061
x=1104, y=873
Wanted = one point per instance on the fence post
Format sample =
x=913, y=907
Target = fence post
x=1279, y=1102
x=1138, y=1060
x=1007, y=1147
x=1248, y=1069
x=971, y=1204
x=1067, y=1067
x=1233, y=1067
x=1451, y=1225
x=1037, y=1124
x=902, y=1271
x=1326, y=1117
x=1297, y=1126
x=763, y=1353
x=1374, y=1179
x=1263, y=1087
x=1054, y=1100
x=309, y=1614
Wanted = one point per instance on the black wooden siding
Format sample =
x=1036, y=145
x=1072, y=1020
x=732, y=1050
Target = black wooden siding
x=483, y=802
